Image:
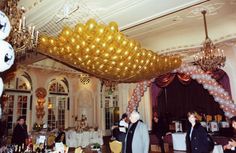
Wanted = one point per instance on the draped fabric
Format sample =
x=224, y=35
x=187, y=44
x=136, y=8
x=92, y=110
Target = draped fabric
x=174, y=94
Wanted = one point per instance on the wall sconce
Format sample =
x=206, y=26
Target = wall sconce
x=84, y=78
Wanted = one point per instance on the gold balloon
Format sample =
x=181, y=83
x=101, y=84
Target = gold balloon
x=91, y=25
x=100, y=30
x=79, y=29
x=62, y=40
x=44, y=40
x=52, y=41
x=66, y=32
x=108, y=38
x=113, y=26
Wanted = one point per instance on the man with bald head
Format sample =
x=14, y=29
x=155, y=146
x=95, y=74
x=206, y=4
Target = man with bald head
x=137, y=138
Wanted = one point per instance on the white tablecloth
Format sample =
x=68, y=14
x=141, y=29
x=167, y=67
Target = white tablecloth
x=179, y=141
x=218, y=149
x=83, y=139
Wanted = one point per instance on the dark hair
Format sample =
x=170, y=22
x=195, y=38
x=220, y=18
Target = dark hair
x=21, y=117
x=233, y=119
x=124, y=116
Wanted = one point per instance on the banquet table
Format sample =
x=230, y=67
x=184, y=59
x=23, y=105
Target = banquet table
x=218, y=149
x=83, y=139
x=179, y=141
x=180, y=145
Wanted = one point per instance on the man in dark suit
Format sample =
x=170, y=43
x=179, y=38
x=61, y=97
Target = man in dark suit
x=20, y=134
x=159, y=129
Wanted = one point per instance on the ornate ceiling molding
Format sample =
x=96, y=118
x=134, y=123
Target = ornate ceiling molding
x=217, y=41
x=233, y=2
x=162, y=24
x=212, y=9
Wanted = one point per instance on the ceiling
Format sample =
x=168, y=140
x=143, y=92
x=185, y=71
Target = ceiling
x=162, y=26
x=49, y=16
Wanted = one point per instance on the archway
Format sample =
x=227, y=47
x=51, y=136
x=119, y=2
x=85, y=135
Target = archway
x=217, y=91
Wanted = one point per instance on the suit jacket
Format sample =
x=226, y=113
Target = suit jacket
x=19, y=134
x=159, y=128
x=140, y=142
x=198, y=142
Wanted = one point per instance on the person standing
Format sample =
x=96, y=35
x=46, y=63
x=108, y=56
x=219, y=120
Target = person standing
x=137, y=137
x=159, y=129
x=20, y=134
x=197, y=137
x=231, y=146
x=123, y=126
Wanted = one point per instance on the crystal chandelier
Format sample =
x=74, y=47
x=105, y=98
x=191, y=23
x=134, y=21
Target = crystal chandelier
x=210, y=58
x=23, y=39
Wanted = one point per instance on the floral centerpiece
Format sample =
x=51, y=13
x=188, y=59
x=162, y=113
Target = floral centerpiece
x=96, y=146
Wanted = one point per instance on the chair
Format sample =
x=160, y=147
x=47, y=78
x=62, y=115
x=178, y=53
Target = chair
x=115, y=146
x=51, y=140
x=78, y=150
x=214, y=127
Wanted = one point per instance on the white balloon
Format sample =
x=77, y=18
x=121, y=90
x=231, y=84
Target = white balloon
x=7, y=55
x=5, y=26
x=1, y=86
x=216, y=99
x=205, y=86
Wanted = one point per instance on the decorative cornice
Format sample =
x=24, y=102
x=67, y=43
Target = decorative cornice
x=212, y=9
x=217, y=41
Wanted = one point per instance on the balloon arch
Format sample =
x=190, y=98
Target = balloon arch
x=195, y=72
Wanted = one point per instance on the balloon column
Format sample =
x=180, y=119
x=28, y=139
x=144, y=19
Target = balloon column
x=217, y=91
x=137, y=94
x=7, y=55
x=106, y=53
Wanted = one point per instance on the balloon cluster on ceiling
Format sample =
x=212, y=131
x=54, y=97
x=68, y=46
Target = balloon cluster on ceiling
x=104, y=52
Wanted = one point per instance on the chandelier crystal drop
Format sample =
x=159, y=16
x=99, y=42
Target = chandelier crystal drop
x=210, y=58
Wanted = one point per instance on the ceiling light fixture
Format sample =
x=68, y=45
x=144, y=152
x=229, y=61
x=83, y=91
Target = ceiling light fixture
x=210, y=58
x=23, y=39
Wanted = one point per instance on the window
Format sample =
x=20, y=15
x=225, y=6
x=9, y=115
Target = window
x=16, y=99
x=111, y=106
x=57, y=100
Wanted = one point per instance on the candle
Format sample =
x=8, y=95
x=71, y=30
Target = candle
x=20, y=22
x=37, y=37
x=23, y=23
x=29, y=29
x=32, y=34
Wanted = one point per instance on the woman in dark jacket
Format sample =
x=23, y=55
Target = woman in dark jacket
x=196, y=138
